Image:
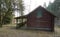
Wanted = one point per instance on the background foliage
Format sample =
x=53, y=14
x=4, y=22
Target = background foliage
x=6, y=10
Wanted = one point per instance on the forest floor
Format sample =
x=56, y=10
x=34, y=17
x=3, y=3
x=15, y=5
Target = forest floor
x=10, y=31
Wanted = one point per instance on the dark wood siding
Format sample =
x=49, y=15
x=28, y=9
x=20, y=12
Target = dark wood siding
x=46, y=21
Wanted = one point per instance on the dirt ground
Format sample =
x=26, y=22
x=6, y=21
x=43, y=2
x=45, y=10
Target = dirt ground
x=10, y=31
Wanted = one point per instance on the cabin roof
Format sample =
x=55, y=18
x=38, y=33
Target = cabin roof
x=42, y=8
x=25, y=16
x=39, y=7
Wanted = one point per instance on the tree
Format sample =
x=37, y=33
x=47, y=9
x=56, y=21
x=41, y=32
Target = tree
x=54, y=7
x=20, y=7
x=6, y=10
x=3, y=10
x=44, y=4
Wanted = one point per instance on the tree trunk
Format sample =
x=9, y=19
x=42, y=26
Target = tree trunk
x=1, y=20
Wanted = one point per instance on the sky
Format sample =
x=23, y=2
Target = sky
x=30, y=5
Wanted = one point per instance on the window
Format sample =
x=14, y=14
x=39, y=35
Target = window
x=39, y=14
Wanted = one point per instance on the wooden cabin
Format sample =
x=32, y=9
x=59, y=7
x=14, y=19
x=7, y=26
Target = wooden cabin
x=39, y=18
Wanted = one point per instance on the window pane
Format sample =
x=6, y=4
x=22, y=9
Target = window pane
x=39, y=14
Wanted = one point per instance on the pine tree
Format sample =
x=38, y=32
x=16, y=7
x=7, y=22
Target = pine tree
x=55, y=7
x=6, y=10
